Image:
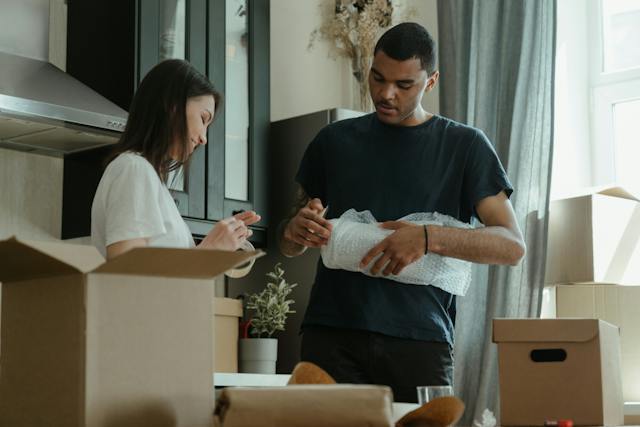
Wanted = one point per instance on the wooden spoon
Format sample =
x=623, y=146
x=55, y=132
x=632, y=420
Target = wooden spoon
x=309, y=373
x=439, y=412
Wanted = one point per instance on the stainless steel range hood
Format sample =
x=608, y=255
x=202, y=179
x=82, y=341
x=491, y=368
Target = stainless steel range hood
x=43, y=109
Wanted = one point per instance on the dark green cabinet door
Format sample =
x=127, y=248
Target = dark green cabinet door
x=177, y=29
x=238, y=59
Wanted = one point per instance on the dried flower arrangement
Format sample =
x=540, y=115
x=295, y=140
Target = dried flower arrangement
x=353, y=29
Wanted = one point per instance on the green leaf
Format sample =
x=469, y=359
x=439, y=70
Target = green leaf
x=271, y=305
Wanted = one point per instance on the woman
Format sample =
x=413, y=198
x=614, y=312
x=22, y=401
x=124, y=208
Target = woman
x=168, y=120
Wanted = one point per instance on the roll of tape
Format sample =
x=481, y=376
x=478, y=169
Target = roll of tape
x=244, y=269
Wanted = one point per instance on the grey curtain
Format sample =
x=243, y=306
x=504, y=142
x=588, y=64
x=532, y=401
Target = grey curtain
x=496, y=73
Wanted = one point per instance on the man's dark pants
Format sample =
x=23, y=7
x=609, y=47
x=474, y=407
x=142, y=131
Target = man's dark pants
x=362, y=357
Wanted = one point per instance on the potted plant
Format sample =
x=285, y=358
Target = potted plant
x=271, y=307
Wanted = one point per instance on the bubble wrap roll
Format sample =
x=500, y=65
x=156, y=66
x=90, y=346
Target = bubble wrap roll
x=355, y=233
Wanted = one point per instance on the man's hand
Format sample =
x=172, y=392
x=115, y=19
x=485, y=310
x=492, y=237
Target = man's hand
x=405, y=246
x=308, y=227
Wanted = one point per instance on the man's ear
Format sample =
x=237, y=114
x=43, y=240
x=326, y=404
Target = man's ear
x=433, y=79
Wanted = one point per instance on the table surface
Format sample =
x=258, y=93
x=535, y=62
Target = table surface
x=223, y=379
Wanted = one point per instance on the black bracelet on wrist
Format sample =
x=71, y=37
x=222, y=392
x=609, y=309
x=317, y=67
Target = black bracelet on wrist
x=426, y=239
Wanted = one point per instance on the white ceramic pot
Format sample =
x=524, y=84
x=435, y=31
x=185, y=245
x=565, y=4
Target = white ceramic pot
x=258, y=355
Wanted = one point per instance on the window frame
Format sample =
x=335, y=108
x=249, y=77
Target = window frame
x=606, y=88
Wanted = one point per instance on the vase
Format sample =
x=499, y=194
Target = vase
x=258, y=355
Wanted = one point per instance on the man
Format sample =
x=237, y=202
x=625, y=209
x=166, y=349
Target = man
x=396, y=161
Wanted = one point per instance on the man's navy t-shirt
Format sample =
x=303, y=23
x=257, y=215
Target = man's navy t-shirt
x=438, y=166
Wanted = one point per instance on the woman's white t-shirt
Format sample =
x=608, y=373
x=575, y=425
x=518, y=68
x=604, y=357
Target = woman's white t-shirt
x=131, y=203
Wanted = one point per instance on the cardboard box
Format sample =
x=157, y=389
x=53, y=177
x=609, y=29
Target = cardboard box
x=593, y=239
x=228, y=312
x=126, y=342
x=614, y=304
x=336, y=405
x=559, y=369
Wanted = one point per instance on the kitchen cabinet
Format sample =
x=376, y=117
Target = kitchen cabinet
x=239, y=63
x=112, y=45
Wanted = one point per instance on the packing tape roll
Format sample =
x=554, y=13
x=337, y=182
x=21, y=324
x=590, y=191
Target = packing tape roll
x=244, y=269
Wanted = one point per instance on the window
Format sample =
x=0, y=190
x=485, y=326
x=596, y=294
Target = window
x=597, y=139
x=616, y=93
x=620, y=34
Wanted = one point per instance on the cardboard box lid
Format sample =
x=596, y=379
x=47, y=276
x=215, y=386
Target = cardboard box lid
x=611, y=190
x=176, y=263
x=617, y=192
x=26, y=260
x=227, y=307
x=546, y=330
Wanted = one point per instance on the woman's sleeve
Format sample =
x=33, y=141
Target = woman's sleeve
x=132, y=208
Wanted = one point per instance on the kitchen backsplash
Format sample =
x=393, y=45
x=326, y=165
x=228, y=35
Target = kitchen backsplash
x=30, y=195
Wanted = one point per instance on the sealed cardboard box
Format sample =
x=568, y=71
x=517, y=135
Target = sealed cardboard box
x=227, y=315
x=93, y=343
x=614, y=304
x=554, y=369
x=336, y=405
x=593, y=239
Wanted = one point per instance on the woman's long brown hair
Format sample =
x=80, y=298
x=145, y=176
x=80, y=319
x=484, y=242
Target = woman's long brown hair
x=157, y=117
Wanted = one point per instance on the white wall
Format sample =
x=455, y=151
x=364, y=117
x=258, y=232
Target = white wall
x=24, y=28
x=303, y=80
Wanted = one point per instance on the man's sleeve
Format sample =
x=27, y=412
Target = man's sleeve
x=311, y=173
x=484, y=175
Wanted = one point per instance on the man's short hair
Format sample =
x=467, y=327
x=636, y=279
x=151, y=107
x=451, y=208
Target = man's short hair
x=409, y=40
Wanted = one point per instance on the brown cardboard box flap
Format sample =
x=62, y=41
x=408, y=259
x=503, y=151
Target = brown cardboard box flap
x=305, y=405
x=25, y=260
x=227, y=307
x=176, y=263
x=616, y=192
x=610, y=190
x=545, y=330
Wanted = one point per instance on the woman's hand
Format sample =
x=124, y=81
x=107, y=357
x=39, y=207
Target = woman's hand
x=230, y=233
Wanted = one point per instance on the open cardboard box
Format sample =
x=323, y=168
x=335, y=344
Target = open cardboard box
x=553, y=369
x=91, y=343
x=593, y=238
